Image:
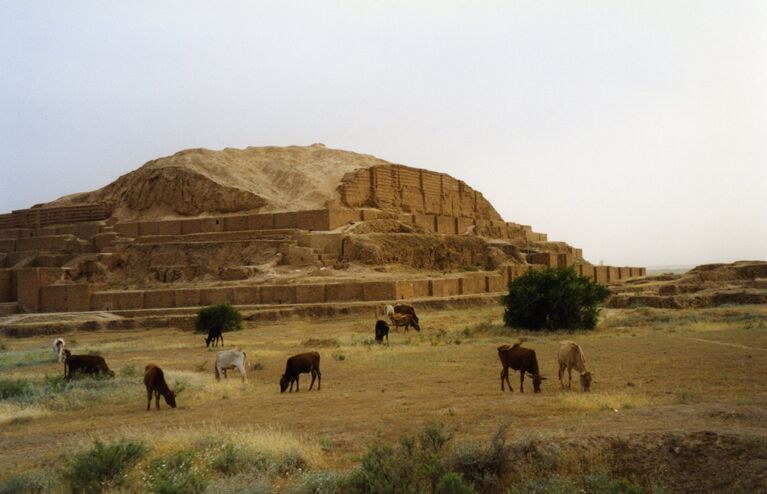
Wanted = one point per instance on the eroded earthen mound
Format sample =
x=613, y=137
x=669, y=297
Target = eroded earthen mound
x=708, y=285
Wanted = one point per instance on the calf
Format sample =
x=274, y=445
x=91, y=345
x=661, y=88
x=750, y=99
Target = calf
x=58, y=349
x=523, y=360
x=154, y=380
x=382, y=329
x=87, y=364
x=230, y=359
x=571, y=357
x=298, y=364
x=406, y=320
x=396, y=315
x=214, y=335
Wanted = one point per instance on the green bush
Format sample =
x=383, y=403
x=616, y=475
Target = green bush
x=25, y=484
x=15, y=389
x=175, y=474
x=553, y=299
x=593, y=484
x=323, y=482
x=409, y=468
x=222, y=316
x=102, y=466
x=230, y=460
x=453, y=483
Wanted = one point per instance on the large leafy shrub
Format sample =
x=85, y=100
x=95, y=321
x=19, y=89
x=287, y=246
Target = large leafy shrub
x=553, y=299
x=222, y=316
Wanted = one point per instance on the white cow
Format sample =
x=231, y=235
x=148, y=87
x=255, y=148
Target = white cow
x=58, y=348
x=571, y=357
x=230, y=359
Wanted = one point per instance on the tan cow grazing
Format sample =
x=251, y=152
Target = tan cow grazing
x=523, y=360
x=571, y=357
x=154, y=380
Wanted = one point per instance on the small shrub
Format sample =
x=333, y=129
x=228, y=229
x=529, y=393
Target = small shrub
x=553, y=299
x=26, y=484
x=176, y=474
x=243, y=483
x=15, y=389
x=223, y=316
x=483, y=466
x=593, y=484
x=230, y=460
x=453, y=483
x=102, y=466
x=338, y=356
x=324, y=482
x=291, y=463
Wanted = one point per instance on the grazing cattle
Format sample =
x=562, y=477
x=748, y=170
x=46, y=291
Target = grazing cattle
x=390, y=310
x=154, y=380
x=523, y=360
x=299, y=364
x=382, y=329
x=571, y=357
x=58, y=348
x=230, y=359
x=406, y=320
x=214, y=335
x=87, y=364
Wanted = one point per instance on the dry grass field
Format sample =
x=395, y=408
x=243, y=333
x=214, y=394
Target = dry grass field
x=658, y=374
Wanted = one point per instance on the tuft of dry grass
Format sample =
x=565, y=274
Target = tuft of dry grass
x=14, y=413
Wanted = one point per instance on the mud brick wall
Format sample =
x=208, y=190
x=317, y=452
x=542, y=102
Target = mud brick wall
x=157, y=299
x=495, y=283
x=278, y=294
x=189, y=297
x=472, y=283
x=126, y=300
x=38, y=217
x=65, y=298
x=613, y=273
x=545, y=258
x=624, y=272
x=324, y=243
x=414, y=191
x=7, y=289
x=446, y=225
x=444, y=287
x=344, y=292
x=601, y=274
x=8, y=245
x=310, y=294
x=412, y=289
x=28, y=283
x=565, y=260
x=379, y=290
x=246, y=295
x=587, y=271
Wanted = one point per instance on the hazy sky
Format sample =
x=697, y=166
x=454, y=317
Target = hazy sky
x=635, y=130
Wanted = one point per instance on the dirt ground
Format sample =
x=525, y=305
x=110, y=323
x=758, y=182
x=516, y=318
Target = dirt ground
x=655, y=371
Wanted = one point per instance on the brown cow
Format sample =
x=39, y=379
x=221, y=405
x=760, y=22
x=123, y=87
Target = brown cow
x=299, y=364
x=154, y=380
x=523, y=360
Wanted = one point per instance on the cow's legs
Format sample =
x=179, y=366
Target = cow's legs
x=157, y=398
x=242, y=371
x=505, y=376
x=521, y=381
x=148, y=399
x=314, y=376
x=569, y=377
x=561, y=373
